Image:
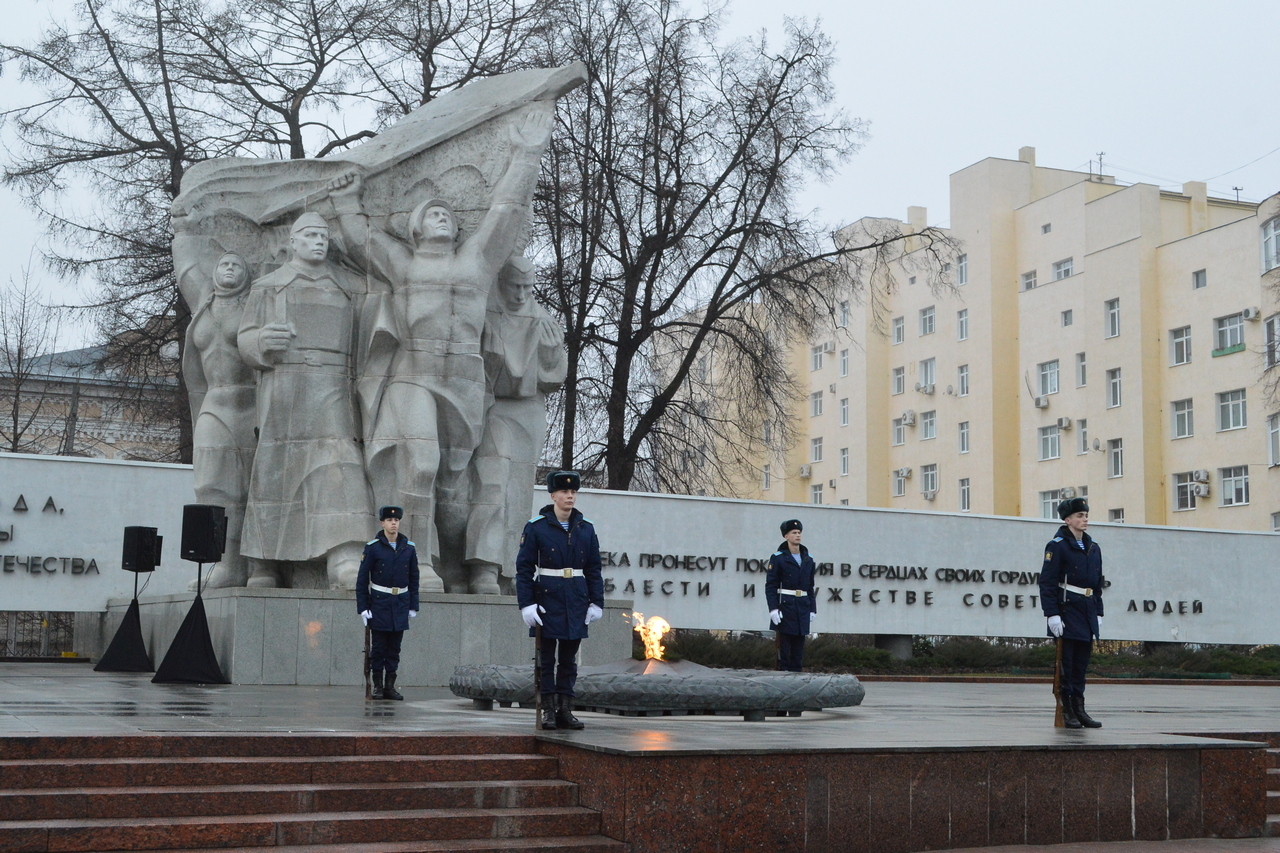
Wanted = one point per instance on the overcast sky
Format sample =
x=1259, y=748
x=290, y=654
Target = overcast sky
x=1171, y=91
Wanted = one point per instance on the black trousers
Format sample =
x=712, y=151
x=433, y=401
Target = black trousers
x=559, y=666
x=384, y=650
x=790, y=652
x=1075, y=660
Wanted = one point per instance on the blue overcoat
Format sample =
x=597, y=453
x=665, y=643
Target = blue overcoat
x=786, y=573
x=390, y=567
x=546, y=545
x=1066, y=562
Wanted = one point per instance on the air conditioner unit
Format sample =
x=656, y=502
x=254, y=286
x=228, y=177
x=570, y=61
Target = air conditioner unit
x=1200, y=475
x=806, y=471
x=904, y=473
x=1065, y=423
x=930, y=494
x=829, y=346
x=831, y=484
x=909, y=417
x=1042, y=402
x=926, y=389
x=1200, y=490
x=1251, y=314
x=832, y=387
x=1066, y=493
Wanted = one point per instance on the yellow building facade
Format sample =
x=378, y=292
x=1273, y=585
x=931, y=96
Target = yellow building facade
x=1095, y=339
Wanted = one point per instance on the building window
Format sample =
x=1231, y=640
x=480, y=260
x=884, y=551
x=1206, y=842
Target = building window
x=1082, y=433
x=899, y=483
x=962, y=270
x=815, y=449
x=1068, y=317
x=1273, y=340
x=1049, y=377
x=844, y=315
x=899, y=382
x=964, y=495
x=899, y=432
x=1273, y=440
x=1199, y=279
x=1235, y=485
x=1049, y=503
x=928, y=425
x=815, y=404
x=1184, y=492
x=927, y=324
x=1046, y=228
x=1184, y=425
x=964, y=436
x=899, y=330
x=844, y=502
x=766, y=479
x=815, y=356
x=1271, y=244
x=844, y=462
x=1029, y=280
x=1081, y=370
x=1115, y=457
x=962, y=324
x=1180, y=345
x=844, y=362
x=1275, y=522
x=1063, y=269
x=767, y=433
x=929, y=478
x=1113, y=388
x=928, y=371
x=815, y=493
x=1116, y=516
x=1228, y=334
x=962, y=380
x=1231, y=410
x=844, y=411
x=1050, y=442
x=1112, y=318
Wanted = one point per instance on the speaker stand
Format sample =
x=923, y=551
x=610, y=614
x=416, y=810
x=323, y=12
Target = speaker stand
x=127, y=652
x=190, y=658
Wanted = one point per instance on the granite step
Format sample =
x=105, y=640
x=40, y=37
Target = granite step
x=1272, y=827
x=275, y=830
x=19, y=747
x=1273, y=757
x=134, y=772
x=211, y=800
x=576, y=844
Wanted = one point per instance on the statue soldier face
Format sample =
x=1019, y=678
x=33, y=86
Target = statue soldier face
x=310, y=243
x=438, y=224
x=516, y=286
x=230, y=272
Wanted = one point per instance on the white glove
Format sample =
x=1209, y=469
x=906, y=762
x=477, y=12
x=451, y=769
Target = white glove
x=593, y=613
x=413, y=613
x=1055, y=626
x=366, y=616
x=813, y=635
x=1099, y=627
x=530, y=615
x=775, y=616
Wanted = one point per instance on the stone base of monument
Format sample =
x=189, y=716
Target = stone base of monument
x=654, y=688
x=315, y=636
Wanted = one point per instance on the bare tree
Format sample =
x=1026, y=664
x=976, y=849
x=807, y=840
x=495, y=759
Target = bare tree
x=30, y=420
x=671, y=234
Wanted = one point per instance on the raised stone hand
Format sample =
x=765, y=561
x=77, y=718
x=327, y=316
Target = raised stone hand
x=344, y=192
x=532, y=132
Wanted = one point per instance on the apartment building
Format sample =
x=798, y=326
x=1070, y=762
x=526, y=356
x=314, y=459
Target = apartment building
x=1097, y=339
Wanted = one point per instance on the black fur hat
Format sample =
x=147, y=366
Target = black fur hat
x=559, y=480
x=390, y=512
x=1071, y=506
x=791, y=524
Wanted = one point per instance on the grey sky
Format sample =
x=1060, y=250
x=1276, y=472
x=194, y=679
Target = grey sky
x=1171, y=91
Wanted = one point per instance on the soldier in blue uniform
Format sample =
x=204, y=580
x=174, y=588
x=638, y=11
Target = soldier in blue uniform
x=1071, y=599
x=387, y=598
x=559, y=586
x=791, y=595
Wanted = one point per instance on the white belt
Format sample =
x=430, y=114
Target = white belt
x=394, y=590
x=798, y=593
x=1078, y=590
x=561, y=573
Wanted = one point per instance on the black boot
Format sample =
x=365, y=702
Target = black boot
x=1085, y=720
x=377, y=684
x=390, y=692
x=564, y=715
x=548, y=712
x=1069, y=718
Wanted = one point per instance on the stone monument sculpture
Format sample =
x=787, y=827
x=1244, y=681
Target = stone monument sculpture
x=363, y=334
x=524, y=358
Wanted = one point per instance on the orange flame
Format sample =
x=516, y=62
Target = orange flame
x=651, y=632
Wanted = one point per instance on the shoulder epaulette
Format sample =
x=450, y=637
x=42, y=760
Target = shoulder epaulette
x=1057, y=539
x=776, y=553
x=372, y=542
x=411, y=542
x=536, y=518
x=587, y=520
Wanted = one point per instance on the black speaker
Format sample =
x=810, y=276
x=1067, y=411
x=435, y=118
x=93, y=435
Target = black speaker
x=141, y=549
x=204, y=532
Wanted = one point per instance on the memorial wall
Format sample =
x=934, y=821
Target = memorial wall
x=699, y=562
